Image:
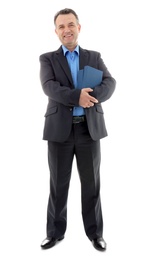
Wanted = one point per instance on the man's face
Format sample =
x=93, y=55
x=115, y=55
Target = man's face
x=67, y=30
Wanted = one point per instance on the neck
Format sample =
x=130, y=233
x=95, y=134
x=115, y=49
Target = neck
x=71, y=48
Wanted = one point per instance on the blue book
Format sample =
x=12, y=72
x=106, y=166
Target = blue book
x=89, y=77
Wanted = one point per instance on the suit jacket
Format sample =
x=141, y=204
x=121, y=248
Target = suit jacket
x=57, y=84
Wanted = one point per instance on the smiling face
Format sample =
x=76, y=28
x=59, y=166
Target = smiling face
x=67, y=30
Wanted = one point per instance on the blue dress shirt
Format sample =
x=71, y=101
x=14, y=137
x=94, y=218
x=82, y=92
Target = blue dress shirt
x=73, y=61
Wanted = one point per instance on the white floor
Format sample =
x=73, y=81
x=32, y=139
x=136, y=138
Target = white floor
x=119, y=30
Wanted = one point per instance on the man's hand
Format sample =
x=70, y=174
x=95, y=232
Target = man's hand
x=86, y=100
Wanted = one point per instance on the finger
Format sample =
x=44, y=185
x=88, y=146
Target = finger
x=90, y=104
x=88, y=90
x=94, y=100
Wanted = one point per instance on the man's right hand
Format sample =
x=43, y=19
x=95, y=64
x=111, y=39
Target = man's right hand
x=86, y=100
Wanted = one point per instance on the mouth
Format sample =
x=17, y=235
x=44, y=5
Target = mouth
x=68, y=35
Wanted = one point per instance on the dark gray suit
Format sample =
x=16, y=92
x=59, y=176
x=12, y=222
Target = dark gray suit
x=66, y=140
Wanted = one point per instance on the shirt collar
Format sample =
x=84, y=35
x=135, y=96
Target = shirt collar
x=65, y=50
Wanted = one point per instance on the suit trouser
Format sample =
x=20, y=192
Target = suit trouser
x=60, y=158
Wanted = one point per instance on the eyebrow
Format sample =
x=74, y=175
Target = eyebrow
x=71, y=23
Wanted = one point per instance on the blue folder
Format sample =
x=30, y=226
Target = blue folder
x=89, y=77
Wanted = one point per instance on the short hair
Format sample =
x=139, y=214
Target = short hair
x=66, y=11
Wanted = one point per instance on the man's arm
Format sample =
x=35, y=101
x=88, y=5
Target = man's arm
x=107, y=86
x=53, y=89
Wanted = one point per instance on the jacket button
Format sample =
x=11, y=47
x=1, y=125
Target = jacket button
x=70, y=109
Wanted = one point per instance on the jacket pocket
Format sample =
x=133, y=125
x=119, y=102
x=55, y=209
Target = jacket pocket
x=99, y=109
x=51, y=110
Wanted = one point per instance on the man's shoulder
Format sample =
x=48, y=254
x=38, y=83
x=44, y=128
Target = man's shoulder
x=50, y=53
x=91, y=52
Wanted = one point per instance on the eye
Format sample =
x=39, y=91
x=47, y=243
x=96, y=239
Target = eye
x=71, y=25
x=61, y=27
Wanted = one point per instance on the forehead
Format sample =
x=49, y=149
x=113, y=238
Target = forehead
x=65, y=19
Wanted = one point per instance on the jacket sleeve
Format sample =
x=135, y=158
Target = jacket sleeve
x=108, y=84
x=52, y=88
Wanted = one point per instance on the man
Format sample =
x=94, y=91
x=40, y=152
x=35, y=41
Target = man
x=74, y=125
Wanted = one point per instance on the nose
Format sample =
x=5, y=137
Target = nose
x=67, y=29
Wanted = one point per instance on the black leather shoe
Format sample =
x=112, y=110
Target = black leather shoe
x=50, y=242
x=99, y=244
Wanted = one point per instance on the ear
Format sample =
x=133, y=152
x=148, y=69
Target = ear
x=56, y=31
x=79, y=27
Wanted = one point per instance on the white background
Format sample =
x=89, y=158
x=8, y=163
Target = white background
x=119, y=30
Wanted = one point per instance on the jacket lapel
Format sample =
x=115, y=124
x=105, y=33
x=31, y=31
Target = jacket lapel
x=83, y=58
x=64, y=64
x=83, y=61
